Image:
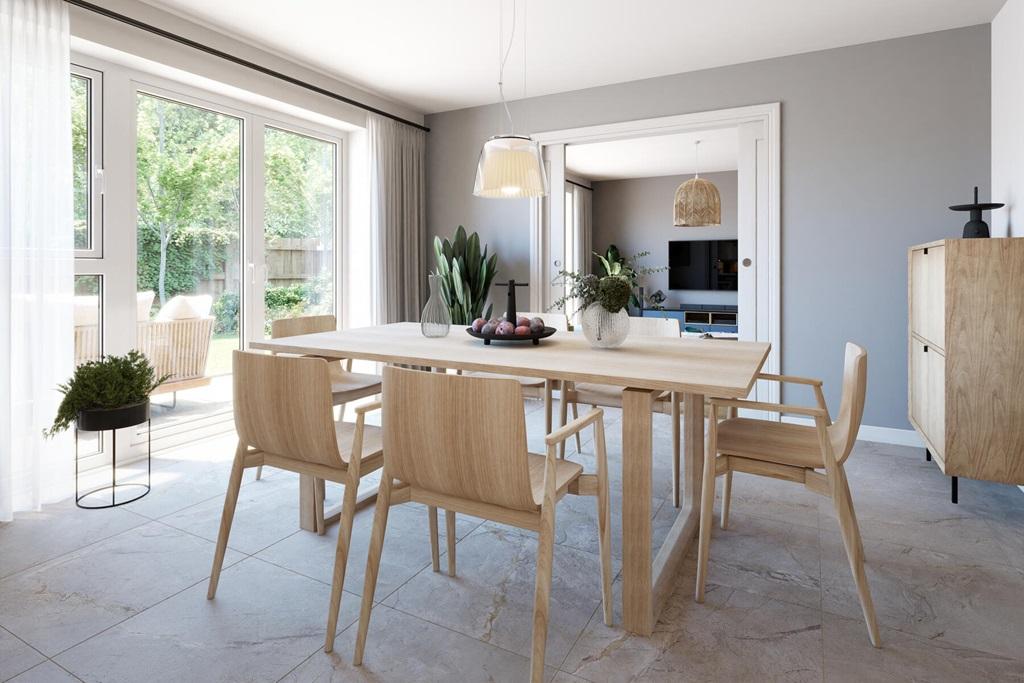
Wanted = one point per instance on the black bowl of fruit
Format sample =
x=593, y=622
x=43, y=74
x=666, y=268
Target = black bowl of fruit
x=504, y=330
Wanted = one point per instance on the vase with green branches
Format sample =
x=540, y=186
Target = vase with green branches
x=602, y=303
x=464, y=274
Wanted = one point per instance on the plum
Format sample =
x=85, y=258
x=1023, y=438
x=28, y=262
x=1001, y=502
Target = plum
x=522, y=321
x=536, y=328
x=488, y=328
x=505, y=329
x=478, y=324
x=537, y=321
x=523, y=331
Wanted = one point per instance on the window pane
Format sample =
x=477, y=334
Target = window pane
x=299, y=225
x=189, y=225
x=80, y=158
x=88, y=329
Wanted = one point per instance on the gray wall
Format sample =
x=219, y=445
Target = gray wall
x=877, y=140
x=636, y=215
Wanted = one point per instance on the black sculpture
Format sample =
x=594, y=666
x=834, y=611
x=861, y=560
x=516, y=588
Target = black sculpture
x=976, y=227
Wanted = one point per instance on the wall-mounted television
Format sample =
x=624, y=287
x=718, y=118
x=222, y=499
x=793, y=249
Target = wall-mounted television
x=703, y=264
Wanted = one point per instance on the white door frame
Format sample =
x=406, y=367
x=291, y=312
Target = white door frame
x=768, y=231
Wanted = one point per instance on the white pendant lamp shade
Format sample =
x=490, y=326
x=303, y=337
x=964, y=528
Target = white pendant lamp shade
x=510, y=167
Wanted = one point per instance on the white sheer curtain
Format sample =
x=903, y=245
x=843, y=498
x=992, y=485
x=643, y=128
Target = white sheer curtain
x=397, y=218
x=583, y=205
x=36, y=251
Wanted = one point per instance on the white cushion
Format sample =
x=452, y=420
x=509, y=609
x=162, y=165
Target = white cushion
x=186, y=307
x=143, y=304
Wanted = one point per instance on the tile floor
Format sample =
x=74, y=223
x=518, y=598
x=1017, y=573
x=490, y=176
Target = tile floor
x=119, y=595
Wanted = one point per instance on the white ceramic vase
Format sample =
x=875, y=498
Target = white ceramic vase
x=602, y=329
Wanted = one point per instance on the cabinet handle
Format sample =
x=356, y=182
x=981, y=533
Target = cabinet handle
x=926, y=348
x=926, y=251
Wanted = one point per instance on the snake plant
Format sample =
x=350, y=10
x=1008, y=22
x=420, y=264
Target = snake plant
x=465, y=275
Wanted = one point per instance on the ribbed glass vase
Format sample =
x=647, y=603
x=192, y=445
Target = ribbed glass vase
x=436, y=319
x=602, y=329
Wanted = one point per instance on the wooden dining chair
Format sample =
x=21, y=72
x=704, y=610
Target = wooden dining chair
x=346, y=385
x=284, y=417
x=537, y=387
x=812, y=456
x=460, y=443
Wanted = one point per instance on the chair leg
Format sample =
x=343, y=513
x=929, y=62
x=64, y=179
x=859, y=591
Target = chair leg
x=548, y=390
x=576, y=416
x=449, y=527
x=542, y=592
x=259, y=472
x=726, y=499
x=380, y=523
x=230, y=500
x=348, y=513
x=604, y=523
x=854, y=545
x=676, y=440
x=707, y=502
x=435, y=553
x=319, y=495
x=563, y=414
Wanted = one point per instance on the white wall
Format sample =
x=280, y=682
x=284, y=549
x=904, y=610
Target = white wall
x=636, y=215
x=1007, y=118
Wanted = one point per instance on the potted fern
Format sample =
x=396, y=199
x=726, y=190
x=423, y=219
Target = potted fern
x=110, y=393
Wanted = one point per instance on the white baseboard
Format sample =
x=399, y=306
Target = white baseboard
x=899, y=437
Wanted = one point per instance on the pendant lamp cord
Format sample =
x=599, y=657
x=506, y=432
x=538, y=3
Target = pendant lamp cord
x=504, y=58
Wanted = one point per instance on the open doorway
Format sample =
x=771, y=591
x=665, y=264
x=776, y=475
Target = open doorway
x=616, y=183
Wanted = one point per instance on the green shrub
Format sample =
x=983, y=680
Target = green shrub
x=225, y=310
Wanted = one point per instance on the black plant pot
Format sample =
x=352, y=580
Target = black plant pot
x=99, y=419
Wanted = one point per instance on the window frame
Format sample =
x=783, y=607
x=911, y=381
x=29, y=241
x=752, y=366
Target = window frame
x=96, y=190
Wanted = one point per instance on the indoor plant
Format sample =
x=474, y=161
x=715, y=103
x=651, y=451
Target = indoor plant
x=464, y=275
x=614, y=263
x=109, y=393
x=603, y=302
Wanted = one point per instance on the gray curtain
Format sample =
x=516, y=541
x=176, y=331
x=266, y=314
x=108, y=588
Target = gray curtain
x=583, y=203
x=397, y=218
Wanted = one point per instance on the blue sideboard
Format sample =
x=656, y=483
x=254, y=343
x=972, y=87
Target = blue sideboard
x=700, y=318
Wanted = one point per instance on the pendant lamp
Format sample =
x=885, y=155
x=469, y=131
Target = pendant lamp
x=510, y=166
x=697, y=200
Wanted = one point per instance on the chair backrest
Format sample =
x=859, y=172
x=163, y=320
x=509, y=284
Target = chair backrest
x=843, y=431
x=283, y=406
x=552, y=319
x=653, y=327
x=457, y=436
x=307, y=324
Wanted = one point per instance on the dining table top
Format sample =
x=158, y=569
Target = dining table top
x=714, y=367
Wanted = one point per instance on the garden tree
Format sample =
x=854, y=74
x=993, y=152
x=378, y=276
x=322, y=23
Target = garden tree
x=188, y=175
x=300, y=186
x=80, y=157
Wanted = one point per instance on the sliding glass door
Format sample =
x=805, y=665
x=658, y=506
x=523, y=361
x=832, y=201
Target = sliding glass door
x=300, y=221
x=189, y=236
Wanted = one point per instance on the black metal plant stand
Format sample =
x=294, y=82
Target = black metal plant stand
x=112, y=420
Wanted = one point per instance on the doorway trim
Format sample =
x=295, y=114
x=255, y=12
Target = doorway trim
x=769, y=315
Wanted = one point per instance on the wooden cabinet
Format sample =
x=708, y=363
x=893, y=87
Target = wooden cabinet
x=966, y=355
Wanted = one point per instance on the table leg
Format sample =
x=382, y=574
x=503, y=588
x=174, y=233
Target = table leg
x=637, y=606
x=307, y=503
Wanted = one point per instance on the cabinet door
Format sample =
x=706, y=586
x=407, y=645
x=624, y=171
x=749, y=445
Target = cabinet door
x=935, y=302
x=928, y=294
x=935, y=363
x=919, y=385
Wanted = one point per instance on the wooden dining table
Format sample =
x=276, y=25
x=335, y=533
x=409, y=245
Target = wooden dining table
x=644, y=366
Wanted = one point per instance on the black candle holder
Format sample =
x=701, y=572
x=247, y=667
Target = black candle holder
x=976, y=227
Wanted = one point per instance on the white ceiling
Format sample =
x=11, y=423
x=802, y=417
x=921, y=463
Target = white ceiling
x=654, y=156
x=443, y=55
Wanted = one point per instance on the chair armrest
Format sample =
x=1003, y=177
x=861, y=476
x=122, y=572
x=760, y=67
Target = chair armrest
x=368, y=408
x=789, y=379
x=774, y=407
x=563, y=433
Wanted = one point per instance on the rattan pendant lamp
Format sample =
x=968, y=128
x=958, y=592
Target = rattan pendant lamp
x=510, y=166
x=697, y=200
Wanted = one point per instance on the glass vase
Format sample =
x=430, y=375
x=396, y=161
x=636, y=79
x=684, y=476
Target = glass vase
x=436, y=319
